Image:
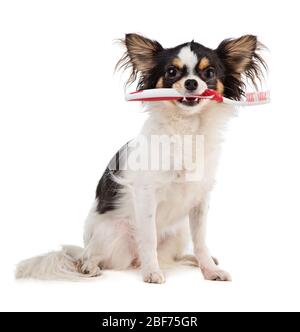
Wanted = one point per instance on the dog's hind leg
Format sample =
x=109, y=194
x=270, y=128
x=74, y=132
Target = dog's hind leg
x=109, y=244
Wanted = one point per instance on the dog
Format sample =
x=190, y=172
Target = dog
x=139, y=216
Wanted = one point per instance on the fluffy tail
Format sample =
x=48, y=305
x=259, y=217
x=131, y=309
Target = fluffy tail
x=56, y=265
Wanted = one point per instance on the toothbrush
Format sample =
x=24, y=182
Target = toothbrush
x=251, y=99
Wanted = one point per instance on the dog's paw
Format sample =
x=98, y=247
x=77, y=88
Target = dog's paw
x=216, y=275
x=90, y=270
x=154, y=277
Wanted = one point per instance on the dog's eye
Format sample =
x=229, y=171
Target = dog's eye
x=171, y=72
x=209, y=73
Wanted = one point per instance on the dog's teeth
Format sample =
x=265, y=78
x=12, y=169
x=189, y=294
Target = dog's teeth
x=184, y=99
x=196, y=100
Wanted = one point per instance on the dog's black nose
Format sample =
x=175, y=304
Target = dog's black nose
x=191, y=85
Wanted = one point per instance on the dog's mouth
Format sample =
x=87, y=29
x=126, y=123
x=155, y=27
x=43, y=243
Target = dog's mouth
x=189, y=101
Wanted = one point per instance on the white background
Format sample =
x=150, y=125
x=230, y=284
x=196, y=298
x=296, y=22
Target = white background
x=63, y=117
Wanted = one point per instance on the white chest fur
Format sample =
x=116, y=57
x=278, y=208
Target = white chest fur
x=179, y=191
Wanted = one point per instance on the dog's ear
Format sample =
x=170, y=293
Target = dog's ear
x=142, y=51
x=139, y=55
x=241, y=56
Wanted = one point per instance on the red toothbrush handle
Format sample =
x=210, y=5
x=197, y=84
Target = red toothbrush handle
x=216, y=96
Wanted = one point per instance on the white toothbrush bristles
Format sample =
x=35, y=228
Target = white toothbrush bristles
x=252, y=99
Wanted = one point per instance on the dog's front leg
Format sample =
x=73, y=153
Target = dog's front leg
x=145, y=213
x=206, y=263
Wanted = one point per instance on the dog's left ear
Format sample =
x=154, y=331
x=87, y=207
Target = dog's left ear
x=241, y=56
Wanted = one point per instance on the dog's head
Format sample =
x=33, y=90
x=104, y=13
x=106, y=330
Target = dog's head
x=191, y=68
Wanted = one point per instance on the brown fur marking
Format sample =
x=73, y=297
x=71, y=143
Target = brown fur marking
x=159, y=83
x=220, y=87
x=204, y=63
x=177, y=63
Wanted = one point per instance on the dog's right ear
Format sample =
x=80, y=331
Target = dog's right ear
x=139, y=55
x=141, y=51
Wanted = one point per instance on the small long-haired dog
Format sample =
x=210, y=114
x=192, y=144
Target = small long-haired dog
x=139, y=217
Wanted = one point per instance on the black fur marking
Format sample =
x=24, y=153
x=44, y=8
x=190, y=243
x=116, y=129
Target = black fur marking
x=165, y=58
x=108, y=191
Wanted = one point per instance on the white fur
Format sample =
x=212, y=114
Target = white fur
x=149, y=228
x=188, y=57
